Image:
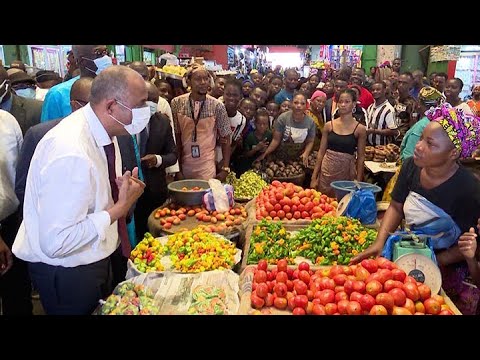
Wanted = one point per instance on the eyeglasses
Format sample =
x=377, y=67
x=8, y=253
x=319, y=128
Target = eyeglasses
x=82, y=103
x=100, y=52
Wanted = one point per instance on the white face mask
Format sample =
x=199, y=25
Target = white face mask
x=28, y=93
x=6, y=90
x=153, y=107
x=140, y=118
x=101, y=63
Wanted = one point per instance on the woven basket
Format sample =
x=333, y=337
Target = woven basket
x=297, y=180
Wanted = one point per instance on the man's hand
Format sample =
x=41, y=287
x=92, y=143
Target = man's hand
x=467, y=244
x=222, y=176
x=129, y=188
x=370, y=131
x=6, y=257
x=304, y=157
x=150, y=160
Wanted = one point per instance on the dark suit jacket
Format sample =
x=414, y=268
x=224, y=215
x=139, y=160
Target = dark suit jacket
x=159, y=142
x=26, y=111
x=30, y=142
x=328, y=109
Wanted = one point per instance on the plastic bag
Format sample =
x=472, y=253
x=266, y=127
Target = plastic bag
x=219, y=197
x=362, y=206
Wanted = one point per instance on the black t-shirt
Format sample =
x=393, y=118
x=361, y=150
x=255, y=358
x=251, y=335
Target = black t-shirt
x=459, y=196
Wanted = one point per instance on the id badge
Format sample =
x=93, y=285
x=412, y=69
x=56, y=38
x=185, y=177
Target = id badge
x=195, y=151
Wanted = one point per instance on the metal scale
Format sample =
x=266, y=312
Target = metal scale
x=412, y=255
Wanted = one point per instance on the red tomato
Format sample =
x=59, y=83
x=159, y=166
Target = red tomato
x=367, y=302
x=342, y=306
x=339, y=289
x=399, y=297
x=290, y=285
x=282, y=277
x=304, y=266
x=318, y=309
x=270, y=276
x=282, y=265
x=301, y=301
x=277, y=207
x=389, y=285
x=378, y=310
x=291, y=303
x=399, y=274
x=397, y=310
x=446, y=312
x=348, y=285
x=280, y=289
x=260, y=276
x=327, y=296
x=410, y=305
x=327, y=283
x=305, y=214
x=331, y=308
x=300, y=287
x=262, y=265
x=411, y=290
x=354, y=308
x=304, y=275
x=262, y=290
x=386, y=300
x=257, y=302
x=280, y=303
x=342, y=295
x=269, y=300
x=359, y=286
x=370, y=265
x=361, y=273
x=432, y=306
x=298, y=311
x=373, y=288
x=424, y=292
x=355, y=296
x=340, y=279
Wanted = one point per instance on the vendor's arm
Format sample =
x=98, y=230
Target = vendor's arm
x=321, y=153
x=390, y=222
x=362, y=140
x=467, y=244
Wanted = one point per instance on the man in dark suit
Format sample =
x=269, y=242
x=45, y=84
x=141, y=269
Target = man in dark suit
x=26, y=111
x=79, y=95
x=157, y=151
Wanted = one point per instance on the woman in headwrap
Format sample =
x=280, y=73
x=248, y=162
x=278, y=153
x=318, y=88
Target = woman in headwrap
x=437, y=197
x=316, y=111
x=427, y=97
x=247, y=87
x=474, y=102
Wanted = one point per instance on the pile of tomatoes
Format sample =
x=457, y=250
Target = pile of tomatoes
x=375, y=287
x=289, y=201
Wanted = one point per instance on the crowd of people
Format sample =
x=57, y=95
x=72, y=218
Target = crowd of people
x=87, y=158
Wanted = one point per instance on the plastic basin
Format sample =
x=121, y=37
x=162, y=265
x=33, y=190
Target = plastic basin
x=188, y=197
x=343, y=187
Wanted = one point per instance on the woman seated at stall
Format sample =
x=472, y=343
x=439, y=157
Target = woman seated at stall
x=342, y=139
x=435, y=195
x=294, y=133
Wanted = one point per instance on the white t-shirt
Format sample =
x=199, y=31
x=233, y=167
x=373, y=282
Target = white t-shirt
x=237, y=124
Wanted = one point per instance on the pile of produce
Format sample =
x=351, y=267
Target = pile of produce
x=382, y=153
x=326, y=241
x=221, y=223
x=146, y=255
x=312, y=159
x=281, y=169
x=130, y=299
x=247, y=186
x=197, y=250
x=374, y=287
x=174, y=70
x=269, y=241
x=288, y=201
x=332, y=240
x=208, y=300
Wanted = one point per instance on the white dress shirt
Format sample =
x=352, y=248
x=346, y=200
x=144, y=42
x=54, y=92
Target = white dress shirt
x=67, y=194
x=10, y=144
x=164, y=108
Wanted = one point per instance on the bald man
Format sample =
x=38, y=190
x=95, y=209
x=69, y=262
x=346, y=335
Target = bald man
x=91, y=60
x=68, y=243
x=79, y=95
x=141, y=68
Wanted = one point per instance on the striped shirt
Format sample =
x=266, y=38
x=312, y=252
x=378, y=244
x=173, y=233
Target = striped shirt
x=211, y=108
x=380, y=117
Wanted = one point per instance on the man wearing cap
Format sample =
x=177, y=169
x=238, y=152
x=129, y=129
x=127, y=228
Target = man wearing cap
x=26, y=111
x=46, y=79
x=198, y=119
x=91, y=59
x=23, y=84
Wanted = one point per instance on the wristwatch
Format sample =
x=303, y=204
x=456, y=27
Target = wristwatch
x=226, y=169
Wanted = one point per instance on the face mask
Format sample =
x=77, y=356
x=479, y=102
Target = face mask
x=28, y=93
x=153, y=107
x=140, y=118
x=6, y=90
x=102, y=63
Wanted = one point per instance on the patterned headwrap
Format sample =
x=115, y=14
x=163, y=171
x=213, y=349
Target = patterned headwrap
x=317, y=94
x=462, y=129
x=429, y=95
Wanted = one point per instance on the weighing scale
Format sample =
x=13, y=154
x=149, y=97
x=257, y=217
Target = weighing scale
x=412, y=243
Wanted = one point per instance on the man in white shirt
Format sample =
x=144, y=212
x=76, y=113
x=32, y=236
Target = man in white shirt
x=72, y=224
x=15, y=286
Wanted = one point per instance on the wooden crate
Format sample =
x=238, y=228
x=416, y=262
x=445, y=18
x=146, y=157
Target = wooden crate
x=246, y=281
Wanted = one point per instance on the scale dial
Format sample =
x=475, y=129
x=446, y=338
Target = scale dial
x=421, y=268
